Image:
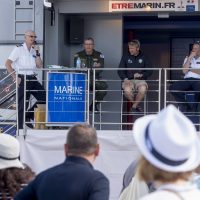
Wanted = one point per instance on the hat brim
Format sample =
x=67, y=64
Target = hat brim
x=10, y=163
x=139, y=136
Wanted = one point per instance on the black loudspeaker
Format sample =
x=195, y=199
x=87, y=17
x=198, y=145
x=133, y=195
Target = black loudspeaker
x=76, y=30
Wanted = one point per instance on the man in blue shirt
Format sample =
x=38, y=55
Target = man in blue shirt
x=75, y=179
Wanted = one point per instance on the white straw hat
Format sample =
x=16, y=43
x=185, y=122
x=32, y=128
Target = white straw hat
x=168, y=140
x=9, y=152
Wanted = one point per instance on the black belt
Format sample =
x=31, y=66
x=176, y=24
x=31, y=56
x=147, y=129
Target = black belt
x=27, y=76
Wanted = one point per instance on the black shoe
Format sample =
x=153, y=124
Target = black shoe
x=137, y=109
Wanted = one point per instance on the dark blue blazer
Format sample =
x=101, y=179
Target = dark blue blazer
x=75, y=179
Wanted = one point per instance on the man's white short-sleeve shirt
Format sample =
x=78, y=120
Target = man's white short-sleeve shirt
x=23, y=59
x=194, y=64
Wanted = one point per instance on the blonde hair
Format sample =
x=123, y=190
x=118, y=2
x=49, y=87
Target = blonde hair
x=135, y=43
x=148, y=172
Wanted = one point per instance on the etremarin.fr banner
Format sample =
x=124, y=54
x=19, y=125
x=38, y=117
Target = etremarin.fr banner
x=164, y=5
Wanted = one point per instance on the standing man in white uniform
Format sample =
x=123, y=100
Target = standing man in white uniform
x=191, y=70
x=25, y=59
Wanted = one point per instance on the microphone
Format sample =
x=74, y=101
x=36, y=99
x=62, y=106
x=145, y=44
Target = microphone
x=37, y=49
x=37, y=52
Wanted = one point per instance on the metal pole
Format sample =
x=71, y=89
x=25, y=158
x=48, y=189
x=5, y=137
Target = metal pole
x=121, y=114
x=100, y=113
x=165, y=87
x=17, y=103
x=24, y=112
x=93, y=100
x=159, y=91
x=88, y=95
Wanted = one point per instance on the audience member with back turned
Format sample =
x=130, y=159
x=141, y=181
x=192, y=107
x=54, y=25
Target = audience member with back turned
x=75, y=179
x=134, y=80
x=90, y=58
x=170, y=149
x=13, y=174
x=191, y=69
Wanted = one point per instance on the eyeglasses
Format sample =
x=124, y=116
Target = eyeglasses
x=89, y=44
x=32, y=36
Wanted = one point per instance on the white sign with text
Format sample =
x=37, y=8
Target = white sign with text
x=164, y=5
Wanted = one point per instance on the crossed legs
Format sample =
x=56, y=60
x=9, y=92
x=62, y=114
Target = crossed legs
x=178, y=91
x=129, y=87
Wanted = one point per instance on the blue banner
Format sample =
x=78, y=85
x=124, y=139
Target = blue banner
x=66, y=97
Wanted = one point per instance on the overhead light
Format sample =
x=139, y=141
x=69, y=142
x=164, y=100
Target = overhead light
x=47, y=4
x=163, y=15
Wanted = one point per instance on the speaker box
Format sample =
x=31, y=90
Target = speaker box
x=76, y=31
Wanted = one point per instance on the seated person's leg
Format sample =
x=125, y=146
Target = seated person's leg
x=141, y=87
x=100, y=87
x=128, y=88
x=177, y=90
x=196, y=88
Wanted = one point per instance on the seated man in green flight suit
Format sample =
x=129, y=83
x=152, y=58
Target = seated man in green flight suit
x=91, y=58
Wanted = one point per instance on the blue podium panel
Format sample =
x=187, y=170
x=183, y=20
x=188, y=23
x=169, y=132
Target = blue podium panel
x=66, y=97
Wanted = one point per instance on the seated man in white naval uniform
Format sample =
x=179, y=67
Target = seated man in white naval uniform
x=191, y=70
x=25, y=59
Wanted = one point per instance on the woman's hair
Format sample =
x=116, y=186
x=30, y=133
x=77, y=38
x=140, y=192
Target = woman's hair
x=148, y=173
x=12, y=180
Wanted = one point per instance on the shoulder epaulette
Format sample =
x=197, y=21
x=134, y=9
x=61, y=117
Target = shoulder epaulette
x=75, y=55
x=101, y=55
x=98, y=53
x=19, y=45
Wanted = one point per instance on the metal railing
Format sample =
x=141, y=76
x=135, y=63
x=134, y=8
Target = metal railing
x=112, y=113
x=114, y=109
x=44, y=121
x=190, y=104
x=8, y=108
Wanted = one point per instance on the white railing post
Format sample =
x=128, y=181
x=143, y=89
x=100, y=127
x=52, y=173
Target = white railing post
x=17, y=102
x=88, y=95
x=94, y=97
x=24, y=110
x=165, y=87
x=159, y=88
